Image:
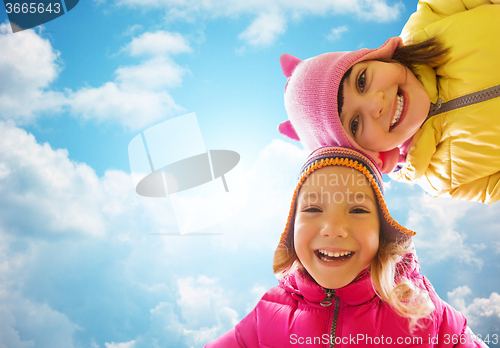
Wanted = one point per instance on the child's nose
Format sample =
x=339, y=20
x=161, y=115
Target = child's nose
x=375, y=105
x=334, y=228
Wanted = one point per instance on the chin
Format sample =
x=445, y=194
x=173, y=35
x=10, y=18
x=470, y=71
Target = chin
x=337, y=284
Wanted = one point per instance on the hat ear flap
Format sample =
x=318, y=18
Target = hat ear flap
x=288, y=64
x=286, y=129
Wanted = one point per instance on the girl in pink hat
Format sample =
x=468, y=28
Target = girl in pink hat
x=348, y=274
x=424, y=105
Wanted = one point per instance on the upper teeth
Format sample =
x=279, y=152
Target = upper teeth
x=399, y=110
x=334, y=253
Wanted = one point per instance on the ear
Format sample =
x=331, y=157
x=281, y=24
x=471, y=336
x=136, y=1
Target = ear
x=286, y=129
x=389, y=160
x=288, y=64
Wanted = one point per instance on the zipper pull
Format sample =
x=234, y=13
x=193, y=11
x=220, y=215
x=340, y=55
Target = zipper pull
x=435, y=107
x=328, y=299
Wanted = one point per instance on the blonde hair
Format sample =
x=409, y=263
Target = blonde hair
x=406, y=298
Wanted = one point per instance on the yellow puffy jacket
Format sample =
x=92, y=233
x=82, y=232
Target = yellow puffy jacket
x=457, y=153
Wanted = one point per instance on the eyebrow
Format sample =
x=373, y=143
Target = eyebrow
x=359, y=193
x=305, y=195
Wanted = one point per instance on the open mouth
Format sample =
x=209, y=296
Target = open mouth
x=399, y=110
x=325, y=255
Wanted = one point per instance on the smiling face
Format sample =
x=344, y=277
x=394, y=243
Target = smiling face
x=384, y=105
x=336, y=229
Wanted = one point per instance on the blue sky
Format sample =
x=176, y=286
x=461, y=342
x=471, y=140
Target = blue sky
x=80, y=265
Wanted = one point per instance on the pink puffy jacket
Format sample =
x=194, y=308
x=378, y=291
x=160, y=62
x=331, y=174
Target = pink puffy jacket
x=300, y=313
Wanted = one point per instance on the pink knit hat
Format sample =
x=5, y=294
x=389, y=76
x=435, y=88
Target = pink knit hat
x=311, y=99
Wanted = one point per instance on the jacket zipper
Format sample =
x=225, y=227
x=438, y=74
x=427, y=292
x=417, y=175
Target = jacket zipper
x=469, y=99
x=327, y=302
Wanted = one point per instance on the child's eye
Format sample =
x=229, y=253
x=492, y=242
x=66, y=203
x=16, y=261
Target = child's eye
x=311, y=210
x=360, y=211
x=354, y=125
x=362, y=81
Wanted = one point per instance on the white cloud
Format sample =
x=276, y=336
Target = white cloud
x=28, y=64
x=483, y=314
x=196, y=313
x=264, y=30
x=439, y=236
x=54, y=194
x=137, y=98
x=45, y=194
x=378, y=10
x=457, y=298
x=132, y=29
x=206, y=319
x=271, y=16
x=41, y=326
x=387, y=186
x=257, y=291
x=130, y=344
x=336, y=33
x=497, y=247
x=133, y=109
x=165, y=329
x=64, y=233
x=26, y=59
x=154, y=74
x=157, y=43
x=204, y=315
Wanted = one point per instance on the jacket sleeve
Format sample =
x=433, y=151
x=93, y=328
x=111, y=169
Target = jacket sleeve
x=468, y=339
x=243, y=335
x=452, y=329
x=484, y=190
x=419, y=157
x=467, y=176
x=429, y=11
